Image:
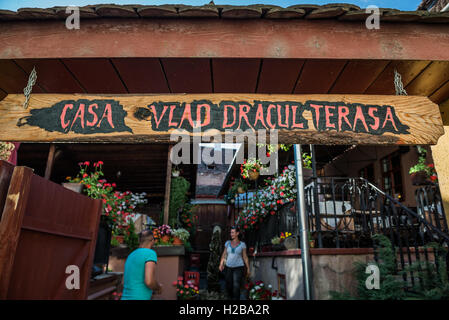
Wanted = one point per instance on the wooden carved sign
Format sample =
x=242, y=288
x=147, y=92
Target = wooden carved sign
x=317, y=119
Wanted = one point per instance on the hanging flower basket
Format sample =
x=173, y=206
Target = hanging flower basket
x=419, y=178
x=253, y=175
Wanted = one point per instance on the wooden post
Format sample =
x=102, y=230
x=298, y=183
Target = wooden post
x=50, y=161
x=11, y=223
x=167, y=187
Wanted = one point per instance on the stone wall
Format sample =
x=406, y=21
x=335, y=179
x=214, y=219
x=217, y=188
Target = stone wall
x=332, y=269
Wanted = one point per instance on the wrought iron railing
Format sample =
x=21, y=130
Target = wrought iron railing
x=348, y=212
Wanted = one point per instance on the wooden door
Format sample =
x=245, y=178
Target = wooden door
x=44, y=229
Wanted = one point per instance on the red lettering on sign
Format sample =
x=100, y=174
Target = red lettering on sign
x=207, y=116
x=328, y=115
x=270, y=124
x=107, y=114
x=94, y=121
x=259, y=116
x=343, y=115
x=389, y=117
x=64, y=111
x=170, y=117
x=294, y=124
x=79, y=114
x=359, y=116
x=187, y=115
x=287, y=108
x=371, y=111
x=225, y=116
x=153, y=109
x=317, y=114
x=243, y=113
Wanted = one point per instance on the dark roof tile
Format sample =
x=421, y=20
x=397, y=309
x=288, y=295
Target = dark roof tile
x=288, y=13
x=241, y=12
x=116, y=11
x=327, y=13
x=199, y=12
x=164, y=11
x=37, y=13
x=340, y=11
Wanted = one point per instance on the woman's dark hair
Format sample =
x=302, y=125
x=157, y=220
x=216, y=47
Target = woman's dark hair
x=235, y=228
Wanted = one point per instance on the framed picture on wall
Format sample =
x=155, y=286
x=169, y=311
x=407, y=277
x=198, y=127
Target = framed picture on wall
x=282, y=286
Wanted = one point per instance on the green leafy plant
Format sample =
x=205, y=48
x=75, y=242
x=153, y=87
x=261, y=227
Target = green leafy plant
x=276, y=240
x=271, y=148
x=306, y=161
x=432, y=282
x=249, y=166
x=188, y=218
x=422, y=166
x=131, y=238
x=178, y=198
x=181, y=233
x=235, y=186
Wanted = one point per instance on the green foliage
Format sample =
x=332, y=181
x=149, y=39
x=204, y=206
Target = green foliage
x=213, y=275
x=233, y=190
x=434, y=283
x=188, y=218
x=421, y=166
x=178, y=198
x=306, y=161
x=131, y=239
x=431, y=283
x=114, y=242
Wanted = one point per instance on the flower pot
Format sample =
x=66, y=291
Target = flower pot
x=278, y=247
x=253, y=175
x=419, y=179
x=240, y=190
x=175, y=174
x=312, y=243
x=75, y=187
x=165, y=238
x=290, y=243
x=177, y=241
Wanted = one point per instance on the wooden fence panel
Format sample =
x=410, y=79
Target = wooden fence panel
x=53, y=228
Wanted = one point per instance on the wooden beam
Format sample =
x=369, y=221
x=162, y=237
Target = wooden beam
x=167, y=187
x=253, y=38
x=50, y=161
x=306, y=119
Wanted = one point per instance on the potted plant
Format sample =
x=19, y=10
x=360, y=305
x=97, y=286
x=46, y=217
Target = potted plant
x=73, y=184
x=187, y=290
x=250, y=169
x=277, y=245
x=165, y=232
x=288, y=241
x=258, y=291
x=311, y=241
x=422, y=173
x=240, y=186
x=180, y=236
